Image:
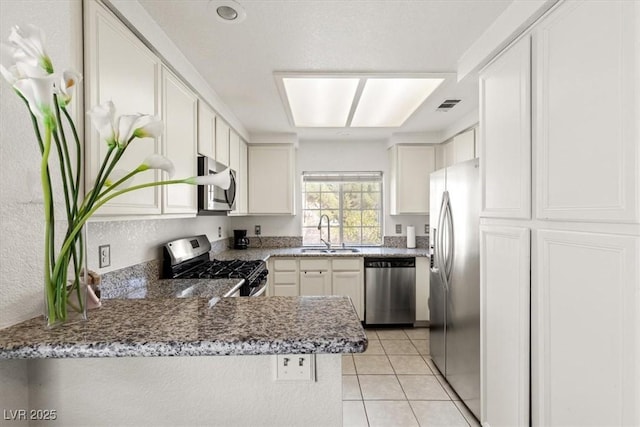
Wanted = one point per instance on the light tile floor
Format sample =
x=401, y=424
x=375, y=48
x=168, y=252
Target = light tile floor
x=394, y=383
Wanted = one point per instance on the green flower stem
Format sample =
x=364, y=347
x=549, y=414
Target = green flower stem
x=48, y=214
x=78, y=158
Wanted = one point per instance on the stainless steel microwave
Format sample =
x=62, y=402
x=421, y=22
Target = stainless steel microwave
x=210, y=197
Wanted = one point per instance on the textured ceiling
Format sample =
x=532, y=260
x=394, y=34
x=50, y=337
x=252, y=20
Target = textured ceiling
x=238, y=60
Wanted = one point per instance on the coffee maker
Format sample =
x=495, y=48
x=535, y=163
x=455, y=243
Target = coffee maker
x=240, y=240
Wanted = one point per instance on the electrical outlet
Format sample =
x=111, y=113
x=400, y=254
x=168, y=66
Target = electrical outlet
x=258, y=230
x=426, y=229
x=219, y=231
x=104, y=256
x=398, y=228
x=295, y=367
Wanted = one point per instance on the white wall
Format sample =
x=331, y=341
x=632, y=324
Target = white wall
x=21, y=209
x=334, y=156
x=171, y=391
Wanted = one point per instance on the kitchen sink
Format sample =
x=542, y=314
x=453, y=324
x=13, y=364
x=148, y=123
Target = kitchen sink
x=329, y=251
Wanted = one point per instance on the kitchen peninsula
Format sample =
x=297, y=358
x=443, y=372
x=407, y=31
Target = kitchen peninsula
x=246, y=330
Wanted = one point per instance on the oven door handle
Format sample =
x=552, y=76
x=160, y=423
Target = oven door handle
x=262, y=290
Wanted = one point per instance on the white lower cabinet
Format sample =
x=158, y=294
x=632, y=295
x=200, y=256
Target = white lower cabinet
x=347, y=279
x=283, y=277
x=315, y=277
x=504, y=302
x=585, y=329
x=319, y=276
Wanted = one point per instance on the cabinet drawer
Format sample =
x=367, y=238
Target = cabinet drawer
x=280, y=277
x=314, y=264
x=285, y=265
x=285, y=291
x=346, y=264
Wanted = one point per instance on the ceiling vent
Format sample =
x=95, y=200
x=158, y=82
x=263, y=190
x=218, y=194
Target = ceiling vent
x=447, y=105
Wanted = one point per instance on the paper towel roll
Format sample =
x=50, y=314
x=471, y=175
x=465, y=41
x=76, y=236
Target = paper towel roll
x=411, y=236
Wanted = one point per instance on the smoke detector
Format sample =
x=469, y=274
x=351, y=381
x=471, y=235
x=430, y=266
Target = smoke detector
x=447, y=105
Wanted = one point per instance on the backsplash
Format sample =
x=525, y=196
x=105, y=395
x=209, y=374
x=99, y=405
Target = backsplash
x=401, y=242
x=271, y=242
x=118, y=283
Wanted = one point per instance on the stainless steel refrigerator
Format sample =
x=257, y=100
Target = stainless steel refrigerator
x=454, y=299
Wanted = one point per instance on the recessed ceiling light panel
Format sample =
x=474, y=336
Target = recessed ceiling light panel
x=389, y=102
x=320, y=102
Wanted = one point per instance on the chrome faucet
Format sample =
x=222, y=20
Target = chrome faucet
x=328, y=241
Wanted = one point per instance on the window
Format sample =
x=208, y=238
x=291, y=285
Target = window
x=351, y=200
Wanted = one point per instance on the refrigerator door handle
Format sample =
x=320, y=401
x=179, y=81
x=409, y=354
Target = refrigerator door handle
x=440, y=246
x=448, y=265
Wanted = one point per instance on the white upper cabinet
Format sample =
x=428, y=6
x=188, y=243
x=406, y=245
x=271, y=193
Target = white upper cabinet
x=271, y=179
x=464, y=146
x=587, y=90
x=505, y=134
x=206, y=130
x=235, y=164
x=460, y=148
x=242, y=185
x=222, y=141
x=410, y=167
x=179, y=140
x=120, y=68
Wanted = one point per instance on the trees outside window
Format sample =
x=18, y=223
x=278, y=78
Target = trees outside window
x=351, y=200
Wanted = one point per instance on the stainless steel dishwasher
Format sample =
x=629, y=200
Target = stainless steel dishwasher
x=390, y=291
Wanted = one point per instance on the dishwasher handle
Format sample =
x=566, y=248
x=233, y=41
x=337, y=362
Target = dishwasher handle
x=389, y=262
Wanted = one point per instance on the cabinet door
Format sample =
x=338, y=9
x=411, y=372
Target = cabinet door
x=222, y=141
x=315, y=283
x=234, y=163
x=271, y=182
x=504, y=325
x=464, y=146
x=587, y=109
x=283, y=277
x=505, y=128
x=243, y=180
x=206, y=130
x=412, y=166
x=585, y=329
x=349, y=284
x=179, y=112
x=117, y=66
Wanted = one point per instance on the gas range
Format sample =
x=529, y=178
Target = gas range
x=188, y=258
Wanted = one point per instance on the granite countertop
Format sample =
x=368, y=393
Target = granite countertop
x=266, y=253
x=195, y=327
x=186, y=288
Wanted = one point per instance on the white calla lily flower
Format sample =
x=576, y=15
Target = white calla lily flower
x=29, y=41
x=68, y=83
x=222, y=179
x=39, y=94
x=102, y=118
x=148, y=127
x=125, y=128
x=157, y=161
